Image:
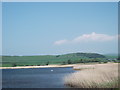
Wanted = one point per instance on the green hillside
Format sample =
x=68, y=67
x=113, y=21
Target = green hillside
x=8, y=61
x=111, y=56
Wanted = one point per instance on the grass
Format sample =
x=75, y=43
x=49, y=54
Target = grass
x=40, y=60
x=101, y=76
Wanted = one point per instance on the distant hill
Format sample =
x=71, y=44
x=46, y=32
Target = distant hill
x=70, y=58
x=86, y=55
x=111, y=55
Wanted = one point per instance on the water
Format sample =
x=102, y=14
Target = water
x=35, y=77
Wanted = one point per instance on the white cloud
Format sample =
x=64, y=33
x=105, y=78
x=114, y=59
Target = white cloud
x=60, y=42
x=93, y=37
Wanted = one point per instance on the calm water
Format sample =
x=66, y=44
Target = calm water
x=35, y=78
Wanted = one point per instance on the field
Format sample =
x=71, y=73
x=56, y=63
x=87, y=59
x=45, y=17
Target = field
x=94, y=76
x=40, y=60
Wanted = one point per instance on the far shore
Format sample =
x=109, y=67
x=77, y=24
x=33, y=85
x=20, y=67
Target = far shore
x=46, y=66
x=75, y=66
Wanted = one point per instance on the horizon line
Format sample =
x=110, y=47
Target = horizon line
x=59, y=54
x=60, y=0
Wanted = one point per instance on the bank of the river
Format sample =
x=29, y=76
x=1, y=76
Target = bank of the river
x=47, y=66
x=75, y=66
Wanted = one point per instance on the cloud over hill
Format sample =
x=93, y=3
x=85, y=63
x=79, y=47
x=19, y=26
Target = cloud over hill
x=92, y=37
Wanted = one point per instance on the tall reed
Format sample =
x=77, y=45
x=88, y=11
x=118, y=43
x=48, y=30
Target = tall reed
x=101, y=76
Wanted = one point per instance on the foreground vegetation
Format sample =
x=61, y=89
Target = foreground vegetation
x=94, y=76
x=72, y=58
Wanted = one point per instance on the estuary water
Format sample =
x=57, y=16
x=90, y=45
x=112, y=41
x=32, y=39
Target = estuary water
x=35, y=77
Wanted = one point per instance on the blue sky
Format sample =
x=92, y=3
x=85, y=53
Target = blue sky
x=57, y=28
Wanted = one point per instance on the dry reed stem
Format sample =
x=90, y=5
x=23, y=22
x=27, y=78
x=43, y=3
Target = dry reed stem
x=101, y=76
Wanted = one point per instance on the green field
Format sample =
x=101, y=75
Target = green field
x=72, y=58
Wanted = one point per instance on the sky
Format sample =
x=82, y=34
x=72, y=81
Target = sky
x=0, y=29
x=48, y=28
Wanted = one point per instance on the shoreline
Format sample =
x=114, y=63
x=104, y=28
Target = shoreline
x=48, y=66
x=74, y=66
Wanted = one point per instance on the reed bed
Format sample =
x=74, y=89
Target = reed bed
x=97, y=76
